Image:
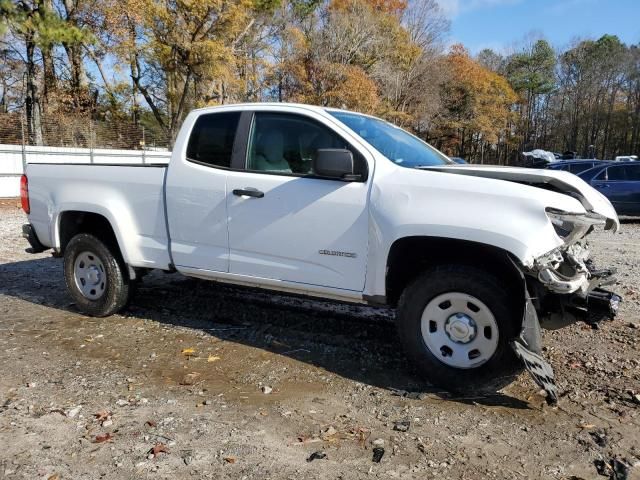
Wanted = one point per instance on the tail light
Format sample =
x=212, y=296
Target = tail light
x=24, y=194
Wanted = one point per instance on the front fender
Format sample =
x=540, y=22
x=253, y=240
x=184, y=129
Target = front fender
x=505, y=215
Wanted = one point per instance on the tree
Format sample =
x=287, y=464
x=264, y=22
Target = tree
x=531, y=73
x=478, y=106
x=491, y=60
x=592, y=74
x=183, y=54
x=38, y=27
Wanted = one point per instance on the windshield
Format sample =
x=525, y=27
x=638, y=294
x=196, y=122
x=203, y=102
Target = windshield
x=397, y=145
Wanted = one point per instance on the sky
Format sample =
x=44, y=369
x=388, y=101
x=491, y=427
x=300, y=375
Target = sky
x=503, y=24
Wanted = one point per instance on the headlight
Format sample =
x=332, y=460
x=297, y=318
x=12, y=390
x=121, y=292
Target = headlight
x=573, y=226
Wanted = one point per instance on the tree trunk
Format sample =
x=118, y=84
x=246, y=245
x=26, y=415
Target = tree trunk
x=48, y=66
x=32, y=103
x=74, y=54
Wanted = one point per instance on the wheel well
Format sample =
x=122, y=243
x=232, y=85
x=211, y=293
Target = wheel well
x=74, y=222
x=410, y=256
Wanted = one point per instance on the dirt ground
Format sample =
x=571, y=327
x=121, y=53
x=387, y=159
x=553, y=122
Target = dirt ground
x=225, y=382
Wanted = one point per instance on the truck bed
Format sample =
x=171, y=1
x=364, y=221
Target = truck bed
x=133, y=193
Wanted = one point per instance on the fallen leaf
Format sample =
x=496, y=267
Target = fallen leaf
x=105, y=437
x=213, y=358
x=190, y=378
x=189, y=352
x=329, y=433
x=158, y=448
x=230, y=459
x=102, y=415
x=151, y=423
x=55, y=476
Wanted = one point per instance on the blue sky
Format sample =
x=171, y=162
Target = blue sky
x=503, y=24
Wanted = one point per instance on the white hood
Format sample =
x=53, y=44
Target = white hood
x=563, y=182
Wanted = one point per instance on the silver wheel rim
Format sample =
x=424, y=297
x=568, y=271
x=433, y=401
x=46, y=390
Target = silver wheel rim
x=90, y=275
x=459, y=330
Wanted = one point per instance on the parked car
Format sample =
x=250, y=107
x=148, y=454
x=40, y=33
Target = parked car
x=626, y=158
x=339, y=205
x=459, y=160
x=574, y=166
x=620, y=183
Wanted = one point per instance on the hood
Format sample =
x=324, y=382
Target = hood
x=554, y=180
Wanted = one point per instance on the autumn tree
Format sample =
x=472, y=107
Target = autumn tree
x=183, y=54
x=478, y=107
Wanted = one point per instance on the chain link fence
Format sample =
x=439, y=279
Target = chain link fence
x=79, y=132
x=73, y=139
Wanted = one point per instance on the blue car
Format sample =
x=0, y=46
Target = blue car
x=619, y=182
x=574, y=166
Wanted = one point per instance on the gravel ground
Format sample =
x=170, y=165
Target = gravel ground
x=197, y=380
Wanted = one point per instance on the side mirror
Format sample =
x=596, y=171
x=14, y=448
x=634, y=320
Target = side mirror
x=334, y=163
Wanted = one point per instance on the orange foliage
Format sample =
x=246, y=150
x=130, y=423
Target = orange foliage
x=477, y=99
x=395, y=7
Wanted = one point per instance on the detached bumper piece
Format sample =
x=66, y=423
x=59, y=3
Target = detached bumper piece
x=528, y=348
x=602, y=305
x=30, y=234
x=598, y=305
x=539, y=369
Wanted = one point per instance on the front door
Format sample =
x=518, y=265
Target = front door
x=284, y=223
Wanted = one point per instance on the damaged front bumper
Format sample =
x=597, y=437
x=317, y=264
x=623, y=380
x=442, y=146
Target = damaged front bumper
x=570, y=286
x=562, y=287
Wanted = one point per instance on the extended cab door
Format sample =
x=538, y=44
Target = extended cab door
x=196, y=190
x=287, y=224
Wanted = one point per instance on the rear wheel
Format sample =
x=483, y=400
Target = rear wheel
x=96, y=276
x=456, y=323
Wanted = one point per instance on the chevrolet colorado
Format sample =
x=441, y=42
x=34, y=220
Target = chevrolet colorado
x=340, y=205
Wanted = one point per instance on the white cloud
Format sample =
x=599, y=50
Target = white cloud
x=453, y=8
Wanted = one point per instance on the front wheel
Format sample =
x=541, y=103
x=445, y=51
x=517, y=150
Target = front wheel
x=456, y=323
x=96, y=276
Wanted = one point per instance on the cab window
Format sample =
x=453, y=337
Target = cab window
x=287, y=144
x=212, y=137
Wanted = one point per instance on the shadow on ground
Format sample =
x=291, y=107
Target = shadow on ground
x=353, y=341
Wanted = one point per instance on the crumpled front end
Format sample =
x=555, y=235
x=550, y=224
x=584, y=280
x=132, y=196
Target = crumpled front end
x=564, y=286
x=566, y=283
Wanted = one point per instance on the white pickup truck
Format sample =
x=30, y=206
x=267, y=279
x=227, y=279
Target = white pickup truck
x=340, y=205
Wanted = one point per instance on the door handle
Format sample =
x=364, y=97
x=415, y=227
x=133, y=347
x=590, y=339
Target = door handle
x=248, y=192
x=602, y=185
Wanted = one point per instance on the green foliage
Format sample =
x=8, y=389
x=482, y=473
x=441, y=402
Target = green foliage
x=41, y=24
x=533, y=71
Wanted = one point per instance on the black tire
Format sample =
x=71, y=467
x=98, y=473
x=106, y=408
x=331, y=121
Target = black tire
x=116, y=286
x=501, y=368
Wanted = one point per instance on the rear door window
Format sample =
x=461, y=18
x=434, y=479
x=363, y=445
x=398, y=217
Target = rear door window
x=616, y=173
x=633, y=173
x=212, y=138
x=580, y=167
